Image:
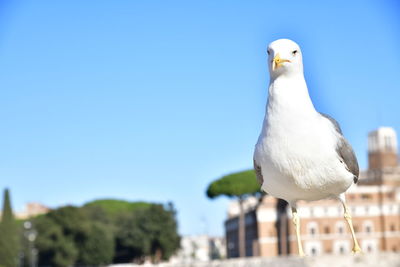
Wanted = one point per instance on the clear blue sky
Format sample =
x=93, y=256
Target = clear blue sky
x=152, y=100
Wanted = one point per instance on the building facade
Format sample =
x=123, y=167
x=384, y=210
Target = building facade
x=199, y=248
x=32, y=209
x=374, y=204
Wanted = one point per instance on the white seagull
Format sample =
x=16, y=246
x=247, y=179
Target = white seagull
x=301, y=154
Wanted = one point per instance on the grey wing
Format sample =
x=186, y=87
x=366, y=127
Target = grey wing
x=257, y=169
x=345, y=151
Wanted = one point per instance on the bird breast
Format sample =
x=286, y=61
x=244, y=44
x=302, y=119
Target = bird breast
x=296, y=152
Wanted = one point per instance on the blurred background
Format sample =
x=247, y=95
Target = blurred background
x=116, y=116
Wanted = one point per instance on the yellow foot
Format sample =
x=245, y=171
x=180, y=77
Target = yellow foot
x=357, y=250
x=302, y=254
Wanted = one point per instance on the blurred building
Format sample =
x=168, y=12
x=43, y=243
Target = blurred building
x=200, y=248
x=32, y=209
x=374, y=203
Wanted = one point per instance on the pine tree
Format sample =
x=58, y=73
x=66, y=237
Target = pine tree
x=9, y=235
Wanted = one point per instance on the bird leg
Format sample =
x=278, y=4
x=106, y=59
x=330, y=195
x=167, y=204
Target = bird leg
x=296, y=222
x=347, y=217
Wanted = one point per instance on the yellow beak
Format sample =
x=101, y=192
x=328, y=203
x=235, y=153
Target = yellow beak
x=278, y=62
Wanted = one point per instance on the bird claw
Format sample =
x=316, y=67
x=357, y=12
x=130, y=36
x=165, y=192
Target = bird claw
x=356, y=250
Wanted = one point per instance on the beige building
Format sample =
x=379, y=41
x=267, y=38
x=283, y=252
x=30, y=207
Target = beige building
x=374, y=203
x=199, y=248
x=32, y=209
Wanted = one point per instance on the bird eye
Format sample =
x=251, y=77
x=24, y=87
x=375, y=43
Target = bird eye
x=268, y=52
x=294, y=52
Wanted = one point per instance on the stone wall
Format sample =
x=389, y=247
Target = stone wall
x=372, y=260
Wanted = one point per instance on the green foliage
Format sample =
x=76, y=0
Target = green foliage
x=235, y=185
x=113, y=208
x=131, y=240
x=240, y=185
x=104, y=231
x=72, y=220
x=78, y=240
x=9, y=235
x=55, y=249
x=150, y=232
x=98, y=246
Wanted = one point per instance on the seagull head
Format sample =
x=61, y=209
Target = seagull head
x=284, y=58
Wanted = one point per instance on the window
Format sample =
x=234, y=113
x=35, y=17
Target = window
x=326, y=230
x=339, y=226
x=313, y=251
x=312, y=228
x=312, y=231
x=341, y=250
x=392, y=227
x=365, y=196
x=368, y=226
x=369, y=248
x=326, y=211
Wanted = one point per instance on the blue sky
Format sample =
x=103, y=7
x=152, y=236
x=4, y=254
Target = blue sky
x=152, y=100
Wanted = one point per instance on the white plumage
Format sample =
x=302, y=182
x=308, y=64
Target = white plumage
x=301, y=154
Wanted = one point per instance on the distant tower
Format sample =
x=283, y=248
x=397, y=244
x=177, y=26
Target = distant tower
x=382, y=149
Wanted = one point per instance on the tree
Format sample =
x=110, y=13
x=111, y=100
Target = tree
x=98, y=246
x=106, y=230
x=237, y=185
x=147, y=232
x=159, y=223
x=9, y=235
x=132, y=243
x=55, y=249
x=113, y=208
x=75, y=237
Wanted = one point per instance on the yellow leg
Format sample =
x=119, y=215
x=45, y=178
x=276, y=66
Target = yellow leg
x=347, y=216
x=296, y=222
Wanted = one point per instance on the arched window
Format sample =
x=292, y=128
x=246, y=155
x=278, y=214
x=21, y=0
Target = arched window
x=368, y=226
x=340, y=227
x=313, y=247
x=312, y=228
x=313, y=251
x=369, y=245
x=341, y=246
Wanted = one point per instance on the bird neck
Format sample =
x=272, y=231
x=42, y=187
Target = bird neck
x=288, y=96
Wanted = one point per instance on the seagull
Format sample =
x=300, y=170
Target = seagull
x=301, y=154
